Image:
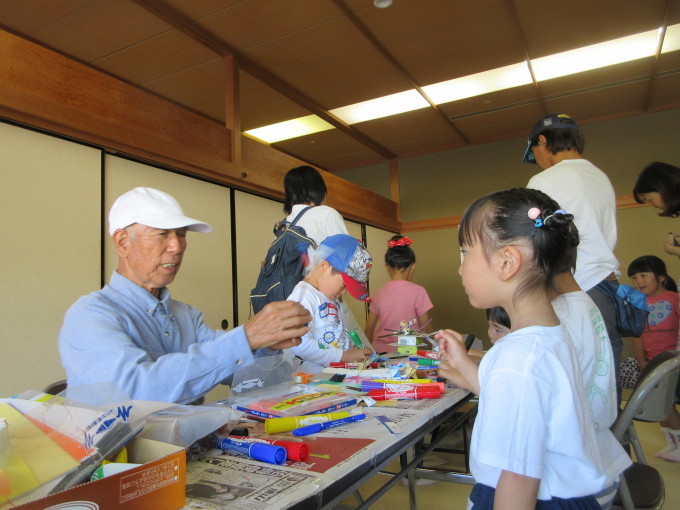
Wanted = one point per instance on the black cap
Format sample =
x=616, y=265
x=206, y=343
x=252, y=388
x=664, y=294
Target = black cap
x=552, y=120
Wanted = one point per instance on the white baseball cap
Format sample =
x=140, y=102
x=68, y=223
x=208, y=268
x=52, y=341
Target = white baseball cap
x=152, y=208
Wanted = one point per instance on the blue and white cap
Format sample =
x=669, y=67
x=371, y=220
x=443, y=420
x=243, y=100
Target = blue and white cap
x=351, y=258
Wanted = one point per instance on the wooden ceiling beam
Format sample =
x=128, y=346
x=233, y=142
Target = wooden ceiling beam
x=192, y=29
x=349, y=14
x=520, y=35
x=657, y=55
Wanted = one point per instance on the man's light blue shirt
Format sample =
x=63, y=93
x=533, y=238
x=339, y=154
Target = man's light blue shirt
x=153, y=349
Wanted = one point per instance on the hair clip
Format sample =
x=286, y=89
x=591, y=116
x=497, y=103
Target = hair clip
x=404, y=241
x=534, y=213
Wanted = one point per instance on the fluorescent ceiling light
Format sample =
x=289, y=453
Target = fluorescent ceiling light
x=596, y=56
x=478, y=84
x=382, y=107
x=671, y=41
x=575, y=61
x=290, y=129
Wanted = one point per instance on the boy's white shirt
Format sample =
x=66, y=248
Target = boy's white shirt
x=583, y=321
x=327, y=339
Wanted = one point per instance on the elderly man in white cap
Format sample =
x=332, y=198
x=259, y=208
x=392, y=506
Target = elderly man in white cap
x=133, y=334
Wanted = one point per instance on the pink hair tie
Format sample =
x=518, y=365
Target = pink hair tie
x=534, y=213
x=404, y=241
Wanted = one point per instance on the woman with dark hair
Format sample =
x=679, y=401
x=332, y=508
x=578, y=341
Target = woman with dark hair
x=304, y=186
x=659, y=185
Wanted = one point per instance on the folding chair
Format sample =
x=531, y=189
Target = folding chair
x=642, y=486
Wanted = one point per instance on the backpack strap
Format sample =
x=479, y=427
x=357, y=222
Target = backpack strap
x=295, y=220
x=283, y=225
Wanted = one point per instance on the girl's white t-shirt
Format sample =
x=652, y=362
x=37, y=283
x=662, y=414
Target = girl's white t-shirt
x=532, y=417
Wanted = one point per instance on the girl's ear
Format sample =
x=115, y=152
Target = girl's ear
x=510, y=260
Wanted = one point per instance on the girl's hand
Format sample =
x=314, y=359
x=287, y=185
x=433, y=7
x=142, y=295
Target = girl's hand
x=451, y=346
x=454, y=356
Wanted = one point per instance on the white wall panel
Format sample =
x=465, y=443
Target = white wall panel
x=50, y=210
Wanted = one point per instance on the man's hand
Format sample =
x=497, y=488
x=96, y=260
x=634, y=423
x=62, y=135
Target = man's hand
x=279, y=325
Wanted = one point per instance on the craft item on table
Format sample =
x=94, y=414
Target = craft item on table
x=276, y=425
x=264, y=452
x=405, y=381
x=427, y=373
x=416, y=393
x=354, y=364
x=318, y=427
x=296, y=451
x=301, y=402
x=372, y=385
x=408, y=338
x=303, y=377
x=370, y=372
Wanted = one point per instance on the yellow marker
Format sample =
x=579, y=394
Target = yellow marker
x=403, y=381
x=275, y=425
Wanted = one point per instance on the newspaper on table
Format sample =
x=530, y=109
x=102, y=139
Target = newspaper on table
x=241, y=484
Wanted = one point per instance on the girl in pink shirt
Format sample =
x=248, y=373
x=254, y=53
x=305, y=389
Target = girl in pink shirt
x=648, y=275
x=399, y=299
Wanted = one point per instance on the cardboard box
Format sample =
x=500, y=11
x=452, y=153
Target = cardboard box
x=160, y=483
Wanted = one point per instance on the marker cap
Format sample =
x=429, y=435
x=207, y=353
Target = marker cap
x=268, y=453
x=295, y=451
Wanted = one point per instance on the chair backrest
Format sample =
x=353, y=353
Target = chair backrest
x=55, y=387
x=653, y=395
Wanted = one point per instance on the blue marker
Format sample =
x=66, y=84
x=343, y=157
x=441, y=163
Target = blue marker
x=257, y=451
x=318, y=427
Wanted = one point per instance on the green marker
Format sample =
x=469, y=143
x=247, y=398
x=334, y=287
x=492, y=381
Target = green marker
x=355, y=338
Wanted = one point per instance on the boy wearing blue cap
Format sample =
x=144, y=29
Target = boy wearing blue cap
x=341, y=263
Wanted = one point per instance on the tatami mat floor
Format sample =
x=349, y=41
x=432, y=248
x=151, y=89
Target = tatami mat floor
x=454, y=496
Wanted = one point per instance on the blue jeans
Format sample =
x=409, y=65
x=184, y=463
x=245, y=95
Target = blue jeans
x=608, y=310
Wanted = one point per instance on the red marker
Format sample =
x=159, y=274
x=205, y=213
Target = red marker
x=416, y=393
x=428, y=354
x=353, y=365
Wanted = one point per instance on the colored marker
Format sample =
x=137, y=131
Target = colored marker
x=404, y=381
x=294, y=450
x=318, y=427
x=416, y=393
x=288, y=423
x=354, y=364
x=372, y=385
x=355, y=338
x=257, y=451
x=428, y=354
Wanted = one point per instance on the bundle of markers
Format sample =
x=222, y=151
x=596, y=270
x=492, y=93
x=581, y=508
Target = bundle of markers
x=403, y=389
